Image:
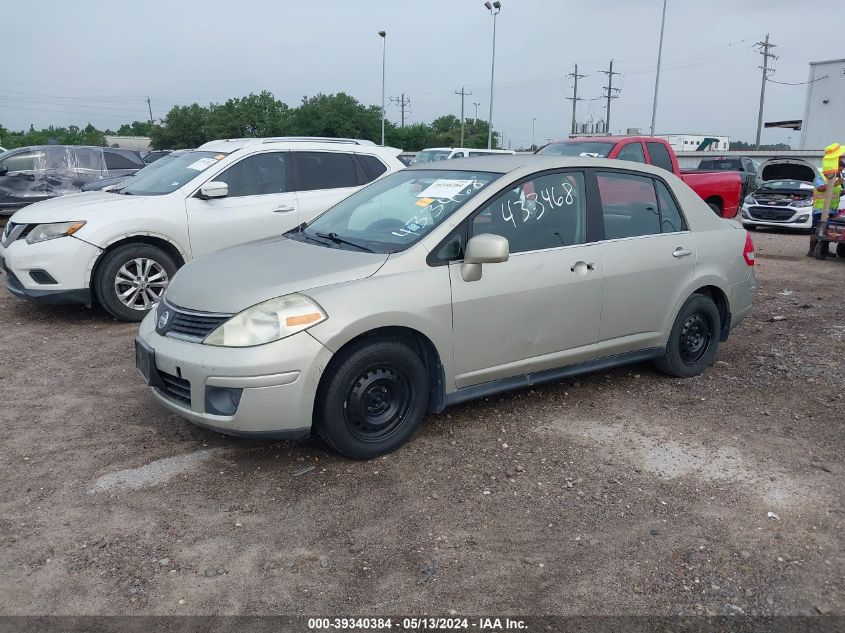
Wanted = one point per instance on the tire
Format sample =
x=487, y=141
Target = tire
x=749, y=227
x=821, y=251
x=118, y=272
x=715, y=208
x=840, y=250
x=372, y=398
x=694, y=339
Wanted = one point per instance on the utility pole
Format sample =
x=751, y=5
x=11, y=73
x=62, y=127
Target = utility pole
x=765, y=46
x=574, y=98
x=609, y=88
x=149, y=105
x=463, y=94
x=476, y=104
x=657, y=77
x=402, y=102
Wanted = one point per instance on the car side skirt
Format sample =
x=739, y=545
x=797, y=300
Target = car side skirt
x=527, y=380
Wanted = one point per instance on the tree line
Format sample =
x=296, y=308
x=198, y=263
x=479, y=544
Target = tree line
x=262, y=115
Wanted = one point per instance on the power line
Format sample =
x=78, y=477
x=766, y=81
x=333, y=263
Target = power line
x=765, y=46
x=797, y=83
x=575, y=98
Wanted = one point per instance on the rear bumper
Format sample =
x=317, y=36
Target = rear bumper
x=741, y=299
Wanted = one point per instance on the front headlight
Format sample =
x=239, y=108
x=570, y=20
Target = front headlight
x=268, y=321
x=802, y=203
x=749, y=200
x=44, y=232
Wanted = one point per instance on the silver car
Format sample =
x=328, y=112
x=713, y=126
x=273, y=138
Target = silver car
x=443, y=283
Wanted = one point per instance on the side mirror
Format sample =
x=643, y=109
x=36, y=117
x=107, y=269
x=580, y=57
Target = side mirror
x=483, y=249
x=214, y=189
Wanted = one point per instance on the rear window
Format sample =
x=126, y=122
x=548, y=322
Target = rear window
x=721, y=164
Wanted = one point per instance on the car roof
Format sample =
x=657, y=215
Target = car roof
x=610, y=139
x=505, y=163
x=234, y=144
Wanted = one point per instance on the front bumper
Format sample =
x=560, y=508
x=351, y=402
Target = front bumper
x=66, y=260
x=792, y=222
x=277, y=382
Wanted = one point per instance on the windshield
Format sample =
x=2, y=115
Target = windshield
x=166, y=176
x=787, y=184
x=595, y=149
x=397, y=211
x=430, y=155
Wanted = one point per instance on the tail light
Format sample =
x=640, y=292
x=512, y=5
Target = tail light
x=748, y=250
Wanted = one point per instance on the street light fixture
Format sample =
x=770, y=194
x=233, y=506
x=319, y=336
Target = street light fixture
x=493, y=8
x=383, y=36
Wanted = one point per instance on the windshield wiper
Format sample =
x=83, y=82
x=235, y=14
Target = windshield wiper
x=334, y=237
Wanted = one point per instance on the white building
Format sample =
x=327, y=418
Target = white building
x=824, y=112
x=697, y=142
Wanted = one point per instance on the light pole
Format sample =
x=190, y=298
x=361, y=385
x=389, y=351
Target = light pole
x=383, y=35
x=657, y=77
x=533, y=121
x=476, y=104
x=493, y=8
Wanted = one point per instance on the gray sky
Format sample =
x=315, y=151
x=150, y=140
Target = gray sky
x=75, y=62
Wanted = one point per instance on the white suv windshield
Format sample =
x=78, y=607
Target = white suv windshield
x=168, y=177
x=396, y=211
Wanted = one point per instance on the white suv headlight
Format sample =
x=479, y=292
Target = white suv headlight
x=268, y=321
x=44, y=232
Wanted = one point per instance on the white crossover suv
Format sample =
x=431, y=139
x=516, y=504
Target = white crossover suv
x=122, y=247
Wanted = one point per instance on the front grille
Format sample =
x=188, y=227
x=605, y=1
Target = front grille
x=189, y=325
x=772, y=214
x=175, y=388
x=15, y=231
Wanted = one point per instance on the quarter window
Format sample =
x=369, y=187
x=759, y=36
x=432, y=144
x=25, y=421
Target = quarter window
x=118, y=160
x=373, y=167
x=659, y=156
x=323, y=170
x=256, y=175
x=671, y=220
x=633, y=152
x=629, y=205
x=547, y=211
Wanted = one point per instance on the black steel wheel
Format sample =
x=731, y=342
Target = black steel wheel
x=372, y=397
x=694, y=339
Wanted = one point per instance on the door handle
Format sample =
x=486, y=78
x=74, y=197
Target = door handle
x=681, y=252
x=284, y=208
x=581, y=268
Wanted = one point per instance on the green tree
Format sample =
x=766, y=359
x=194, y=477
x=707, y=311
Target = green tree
x=256, y=115
x=136, y=128
x=411, y=138
x=183, y=127
x=338, y=115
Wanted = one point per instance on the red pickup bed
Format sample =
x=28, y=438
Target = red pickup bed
x=719, y=189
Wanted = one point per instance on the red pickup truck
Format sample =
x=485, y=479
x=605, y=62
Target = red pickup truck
x=719, y=189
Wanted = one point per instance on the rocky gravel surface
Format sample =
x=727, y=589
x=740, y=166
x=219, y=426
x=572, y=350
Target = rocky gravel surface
x=622, y=492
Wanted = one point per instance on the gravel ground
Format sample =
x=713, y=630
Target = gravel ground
x=624, y=492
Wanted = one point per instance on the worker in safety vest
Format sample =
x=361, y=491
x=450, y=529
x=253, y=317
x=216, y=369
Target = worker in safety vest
x=832, y=163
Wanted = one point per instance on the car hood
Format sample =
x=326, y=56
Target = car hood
x=77, y=206
x=238, y=277
x=788, y=169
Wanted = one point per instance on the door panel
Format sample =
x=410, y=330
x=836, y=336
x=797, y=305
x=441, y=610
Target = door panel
x=530, y=313
x=541, y=308
x=259, y=205
x=649, y=262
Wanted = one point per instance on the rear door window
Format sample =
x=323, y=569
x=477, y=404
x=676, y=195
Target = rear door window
x=323, y=170
x=659, y=156
x=629, y=205
x=119, y=160
x=373, y=167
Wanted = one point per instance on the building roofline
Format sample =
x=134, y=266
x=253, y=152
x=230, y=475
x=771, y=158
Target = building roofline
x=828, y=61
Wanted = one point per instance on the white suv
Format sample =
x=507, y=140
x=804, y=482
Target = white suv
x=122, y=247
